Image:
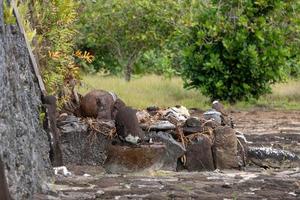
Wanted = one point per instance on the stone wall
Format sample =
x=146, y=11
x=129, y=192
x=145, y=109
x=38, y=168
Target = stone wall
x=24, y=144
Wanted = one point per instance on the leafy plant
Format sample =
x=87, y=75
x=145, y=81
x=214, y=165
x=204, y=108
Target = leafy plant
x=50, y=26
x=8, y=14
x=236, y=49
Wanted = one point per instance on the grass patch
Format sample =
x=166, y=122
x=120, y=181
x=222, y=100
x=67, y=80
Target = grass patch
x=147, y=91
x=150, y=90
x=285, y=96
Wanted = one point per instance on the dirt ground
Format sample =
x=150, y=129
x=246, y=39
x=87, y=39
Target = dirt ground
x=280, y=129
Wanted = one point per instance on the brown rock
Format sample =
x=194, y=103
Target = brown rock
x=127, y=125
x=192, y=125
x=199, y=155
x=225, y=148
x=218, y=106
x=211, y=124
x=100, y=104
x=126, y=159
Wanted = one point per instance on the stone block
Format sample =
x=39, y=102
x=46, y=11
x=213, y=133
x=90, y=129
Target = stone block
x=128, y=159
x=199, y=154
x=174, y=149
x=225, y=148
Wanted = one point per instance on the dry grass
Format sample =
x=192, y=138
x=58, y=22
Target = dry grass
x=284, y=96
x=156, y=90
x=147, y=90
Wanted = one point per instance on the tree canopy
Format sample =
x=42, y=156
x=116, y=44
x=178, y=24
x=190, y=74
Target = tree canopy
x=236, y=49
x=118, y=32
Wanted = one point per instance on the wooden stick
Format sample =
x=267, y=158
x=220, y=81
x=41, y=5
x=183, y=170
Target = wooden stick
x=32, y=58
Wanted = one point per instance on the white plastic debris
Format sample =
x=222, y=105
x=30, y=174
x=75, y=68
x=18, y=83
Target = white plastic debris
x=132, y=139
x=180, y=114
x=100, y=192
x=292, y=193
x=62, y=170
x=86, y=175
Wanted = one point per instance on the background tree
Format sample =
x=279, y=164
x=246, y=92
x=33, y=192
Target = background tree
x=237, y=49
x=119, y=32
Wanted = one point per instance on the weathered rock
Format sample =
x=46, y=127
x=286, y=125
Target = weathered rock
x=192, y=125
x=24, y=146
x=71, y=123
x=158, y=126
x=80, y=145
x=127, y=126
x=218, y=106
x=127, y=159
x=225, y=148
x=100, y=104
x=269, y=157
x=211, y=124
x=174, y=149
x=213, y=115
x=199, y=154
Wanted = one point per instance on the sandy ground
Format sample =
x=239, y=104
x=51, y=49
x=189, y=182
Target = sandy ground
x=280, y=129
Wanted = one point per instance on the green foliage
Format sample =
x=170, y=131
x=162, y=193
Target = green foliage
x=54, y=41
x=24, y=11
x=118, y=32
x=237, y=49
x=164, y=62
x=8, y=14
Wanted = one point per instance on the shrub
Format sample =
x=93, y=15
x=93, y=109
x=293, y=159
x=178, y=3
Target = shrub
x=237, y=49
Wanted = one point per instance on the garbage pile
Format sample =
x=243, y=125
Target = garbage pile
x=102, y=130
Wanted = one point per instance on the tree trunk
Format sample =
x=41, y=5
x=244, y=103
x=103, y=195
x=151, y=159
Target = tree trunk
x=128, y=71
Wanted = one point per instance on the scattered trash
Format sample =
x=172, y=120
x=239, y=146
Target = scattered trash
x=177, y=114
x=254, y=189
x=99, y=193
x=292, y=193
x=62, y=170
x=86, y=175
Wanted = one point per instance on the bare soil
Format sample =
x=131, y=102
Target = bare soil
x=280, y=129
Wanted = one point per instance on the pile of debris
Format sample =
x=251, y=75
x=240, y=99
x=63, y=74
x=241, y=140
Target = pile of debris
x=101, y=130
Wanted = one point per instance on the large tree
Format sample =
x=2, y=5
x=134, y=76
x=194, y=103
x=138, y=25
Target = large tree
x=236, y=49
x=118, y=32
